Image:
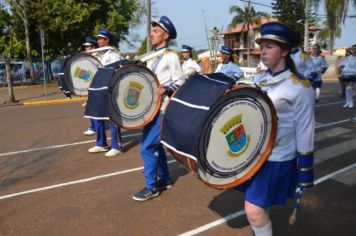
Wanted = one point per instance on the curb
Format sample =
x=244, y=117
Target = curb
x=68, y=100
x=11, y=104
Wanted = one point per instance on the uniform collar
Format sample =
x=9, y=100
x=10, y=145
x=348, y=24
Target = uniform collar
x=187, y=59
x=161, y=48
x=294, y=51
x=276, y=73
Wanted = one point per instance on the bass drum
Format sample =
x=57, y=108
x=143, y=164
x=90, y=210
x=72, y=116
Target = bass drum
x=79, y=73
x=237, y=137
x=224, y=141
x=133, y=99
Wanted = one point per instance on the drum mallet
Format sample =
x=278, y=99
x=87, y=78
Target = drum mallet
x=293, y=217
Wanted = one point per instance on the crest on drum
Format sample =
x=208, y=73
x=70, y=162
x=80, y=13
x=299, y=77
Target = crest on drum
x=236, y=137
x=79, y=73
x=133, y=99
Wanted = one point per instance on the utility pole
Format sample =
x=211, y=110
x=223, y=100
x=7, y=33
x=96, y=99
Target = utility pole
x=248, y=33
x=213, y=44
x=148, y=13
x=43, y=62
x=306, y=26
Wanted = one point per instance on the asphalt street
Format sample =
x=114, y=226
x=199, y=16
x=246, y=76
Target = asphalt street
x=51, y=185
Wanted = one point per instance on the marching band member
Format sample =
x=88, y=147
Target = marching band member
x=348, y=74
x=319, y=68
x=170, y=76
x=90, y=44
x=189, y=66
x=108, y=56
x=291, y=160
x=228, y=67
x=302, y=61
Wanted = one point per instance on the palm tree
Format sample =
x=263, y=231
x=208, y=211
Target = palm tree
x=247, y=17
x=336, y=12
x=323, y=35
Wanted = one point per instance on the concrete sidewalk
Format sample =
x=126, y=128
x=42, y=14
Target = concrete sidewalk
x=36, y=94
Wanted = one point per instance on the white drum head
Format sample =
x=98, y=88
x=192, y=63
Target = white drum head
x=133, y=96
x=80, y=73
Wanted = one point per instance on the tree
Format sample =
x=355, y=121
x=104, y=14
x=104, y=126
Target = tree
x=336, y=12
x=290, y=12
x=247, y=17
x=10, y=46
x=67, y=23
x=20, y=8
x=323, y=35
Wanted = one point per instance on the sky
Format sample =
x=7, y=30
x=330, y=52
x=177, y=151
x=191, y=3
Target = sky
x=190, y=23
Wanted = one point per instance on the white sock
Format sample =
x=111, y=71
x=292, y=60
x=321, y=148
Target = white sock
x=265, y=230
x=317, y=93
x=348, y=94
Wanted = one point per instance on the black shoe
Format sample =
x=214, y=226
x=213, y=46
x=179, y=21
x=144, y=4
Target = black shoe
x=163, y=185
x=146, y=194
x=316, y=100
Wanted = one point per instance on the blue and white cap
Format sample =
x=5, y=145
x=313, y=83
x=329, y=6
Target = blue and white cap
x=186, y=48
x=226, y=49
x=279, y=32
x=90, y=42
x=103, y=33
x=165, y=23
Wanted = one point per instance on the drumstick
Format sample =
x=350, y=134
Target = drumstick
x=293, y=217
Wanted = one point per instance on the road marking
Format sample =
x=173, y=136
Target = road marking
x=319, y=125
x=333, y=123
x=60, y=146
x=330, y=133
x=348, y=178
x=242, y=212
x=214, y=224
x=329, y=104
x=75, y=182
x=334, y=151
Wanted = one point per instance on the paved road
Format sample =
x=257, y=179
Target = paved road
x=51, y=185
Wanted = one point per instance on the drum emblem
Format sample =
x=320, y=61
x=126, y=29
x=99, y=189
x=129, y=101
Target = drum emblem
x=236, y=137
x=133, y=95
x=85, y=75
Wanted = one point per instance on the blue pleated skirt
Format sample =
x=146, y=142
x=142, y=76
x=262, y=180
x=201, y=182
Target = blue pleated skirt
x=272, y=184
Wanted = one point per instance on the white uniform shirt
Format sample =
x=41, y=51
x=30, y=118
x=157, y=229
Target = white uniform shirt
x=319, y=65
x=230, y=69
x=293, y=99
x=168, y=70
x=190, y=67
x=302, y=62
x=349, y=64
x=109, y=56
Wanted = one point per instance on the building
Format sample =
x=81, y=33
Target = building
x=236, y=38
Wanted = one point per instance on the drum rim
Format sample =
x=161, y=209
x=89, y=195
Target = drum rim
x=264, y=155
x=113, y=80
x=67, y=71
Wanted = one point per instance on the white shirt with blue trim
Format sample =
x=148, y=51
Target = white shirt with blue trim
x=293, y=99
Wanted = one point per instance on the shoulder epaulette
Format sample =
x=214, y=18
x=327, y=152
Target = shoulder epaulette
x=260, y=71
x=170, y=51
x=304, y=56
x=300, y=79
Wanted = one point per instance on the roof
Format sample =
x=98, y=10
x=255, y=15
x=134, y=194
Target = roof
x=238, y=28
